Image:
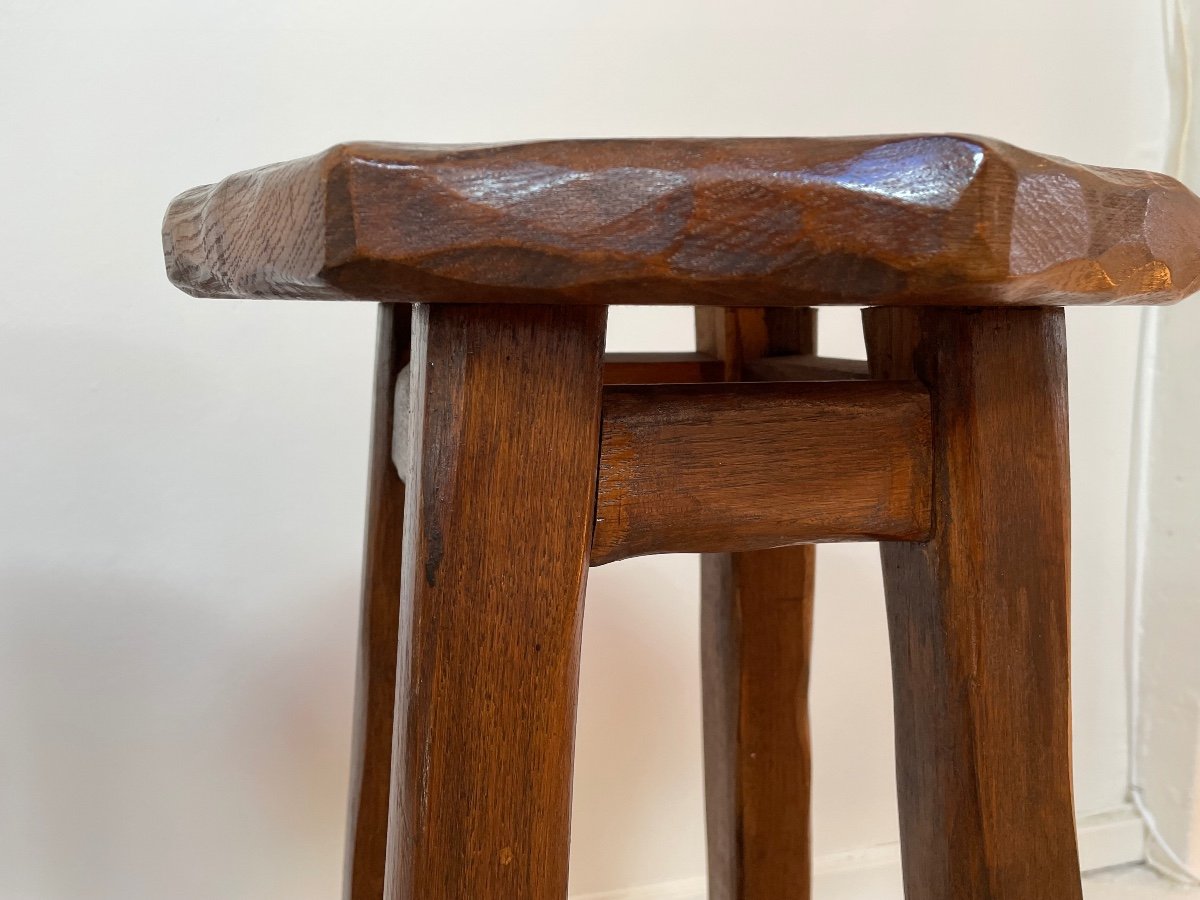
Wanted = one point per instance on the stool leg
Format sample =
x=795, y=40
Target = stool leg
x=375, y=694
x=756, y=636
x=756, y=631
x=505, y=413
x=979, y=615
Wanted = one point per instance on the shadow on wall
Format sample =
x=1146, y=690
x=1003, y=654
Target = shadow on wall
x=639, y=770
x=155, y=747
x=638, y=803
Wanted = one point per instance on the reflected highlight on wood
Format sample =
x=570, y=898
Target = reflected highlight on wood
x=903, y=220
x=979, y=615
x=526, y=469
x=756, y=633
x=698, y=468
x=498, y=525
x=755, y=640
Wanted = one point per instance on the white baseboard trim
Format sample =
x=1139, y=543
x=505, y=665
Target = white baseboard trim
x=688, y=889
x=1115, y=837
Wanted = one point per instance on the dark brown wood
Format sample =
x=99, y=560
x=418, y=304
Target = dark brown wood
x=979, y=613
x=506, y=406
x=695, y=468
x=756, y=639
x=689, y=368
x=902, y=220
x=738, y=337
x=756, y=635
x=661, y=368
x=806, y=367
x=375, y=692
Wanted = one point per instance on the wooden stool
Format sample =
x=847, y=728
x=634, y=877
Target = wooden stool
x=510, y=452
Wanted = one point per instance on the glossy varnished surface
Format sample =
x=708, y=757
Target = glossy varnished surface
x=979, y=614
x=756, y=613
x=906, y=220
x=497, y=527
x=756, y=634
x=706, y=468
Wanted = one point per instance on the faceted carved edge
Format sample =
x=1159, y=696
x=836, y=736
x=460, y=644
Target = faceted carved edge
x=906, y=220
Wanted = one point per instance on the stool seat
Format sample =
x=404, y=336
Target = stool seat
x=922, y=220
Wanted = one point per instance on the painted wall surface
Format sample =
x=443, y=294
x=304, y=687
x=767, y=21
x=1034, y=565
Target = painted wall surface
x=182, y=482
x=1165, y=542
x=1168, y=600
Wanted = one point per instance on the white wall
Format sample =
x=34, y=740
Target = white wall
x=1165, y=570
x=1167, y=610
x=181, y=482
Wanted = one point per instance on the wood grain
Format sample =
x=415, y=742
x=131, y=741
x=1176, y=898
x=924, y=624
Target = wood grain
x=690, y=368
x=918, y=220
x=723, y=467
x=805, y=367
x=375, y=692
x=661, y=368
x=979, y=614
x=739, y=337
x=498, y=525
x=755, y=644
x=756, y=635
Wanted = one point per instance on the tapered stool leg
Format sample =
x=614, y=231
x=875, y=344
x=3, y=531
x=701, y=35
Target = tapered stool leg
x=756, y=628
x=505, y=413
x=756, y=636
x=375, y=693
x=979, y=615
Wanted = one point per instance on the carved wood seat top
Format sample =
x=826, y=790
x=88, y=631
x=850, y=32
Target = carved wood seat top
x=902, y=220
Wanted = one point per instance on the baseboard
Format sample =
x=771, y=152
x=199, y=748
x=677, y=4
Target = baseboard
x=688, y=889
x=1112, y=838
